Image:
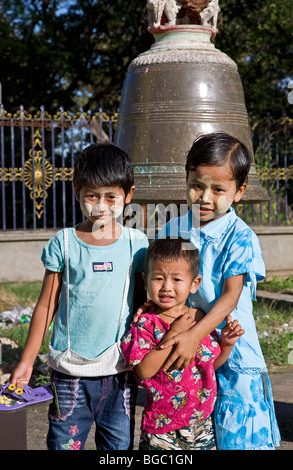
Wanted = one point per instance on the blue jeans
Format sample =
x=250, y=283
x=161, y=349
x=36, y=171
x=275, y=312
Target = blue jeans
x=81, y=401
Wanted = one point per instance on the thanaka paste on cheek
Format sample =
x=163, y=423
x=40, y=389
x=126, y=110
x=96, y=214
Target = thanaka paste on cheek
x=190, y=196
x=116, y=210
x=94, y=211
x=86, y=208
x=223, y=204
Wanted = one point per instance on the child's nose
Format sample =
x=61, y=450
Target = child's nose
x=99, y=207
x=102, y=205
x=167, y=284
x=206, y=195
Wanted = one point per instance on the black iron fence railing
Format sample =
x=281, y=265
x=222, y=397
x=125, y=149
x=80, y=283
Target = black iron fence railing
x=37, y=153
x=273, y=152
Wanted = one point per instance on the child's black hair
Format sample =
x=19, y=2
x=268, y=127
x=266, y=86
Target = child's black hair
x=215, y=150
x=103, y=165
x=170, y=249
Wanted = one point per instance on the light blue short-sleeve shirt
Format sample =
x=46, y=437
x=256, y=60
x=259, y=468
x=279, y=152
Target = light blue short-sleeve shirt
x=97, y=277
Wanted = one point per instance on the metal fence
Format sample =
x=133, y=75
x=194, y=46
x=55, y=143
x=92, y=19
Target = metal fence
x=273, y=152
x=37, y=154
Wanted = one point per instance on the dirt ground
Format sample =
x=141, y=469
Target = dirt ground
x=37, y=425
x=282, y=384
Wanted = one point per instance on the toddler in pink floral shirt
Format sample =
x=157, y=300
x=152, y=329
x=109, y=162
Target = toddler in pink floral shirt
x=177, y=412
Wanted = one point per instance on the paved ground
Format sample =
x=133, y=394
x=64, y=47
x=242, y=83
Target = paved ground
x=283, y=395
x=282, y=385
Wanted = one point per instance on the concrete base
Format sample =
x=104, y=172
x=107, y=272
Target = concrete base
x=13, y=430
x=277, y=247
x=20, y=252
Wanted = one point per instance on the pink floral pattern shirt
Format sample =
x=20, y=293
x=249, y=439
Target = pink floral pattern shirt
x=176, y=399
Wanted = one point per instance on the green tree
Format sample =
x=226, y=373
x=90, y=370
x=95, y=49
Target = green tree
x=258, y=36
x=65, y=53
x=76, y=52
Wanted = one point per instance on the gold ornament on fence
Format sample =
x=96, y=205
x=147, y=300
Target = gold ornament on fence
x=38, y=174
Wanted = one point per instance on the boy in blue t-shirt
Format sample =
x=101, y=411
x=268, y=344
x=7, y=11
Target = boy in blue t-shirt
x=91, y=287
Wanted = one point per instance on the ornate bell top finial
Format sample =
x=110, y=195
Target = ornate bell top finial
x=174, y=12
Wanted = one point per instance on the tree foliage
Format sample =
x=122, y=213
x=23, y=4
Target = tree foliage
x=75, y=53
x=258, y=35
x=55, y=53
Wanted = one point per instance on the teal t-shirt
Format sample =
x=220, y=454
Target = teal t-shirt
x=97, y=277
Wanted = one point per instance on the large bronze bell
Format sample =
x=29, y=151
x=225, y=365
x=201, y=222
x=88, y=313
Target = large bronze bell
x=182, y=87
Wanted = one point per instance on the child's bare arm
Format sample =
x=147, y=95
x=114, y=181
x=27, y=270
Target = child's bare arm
x=186, y=343
x=41, y=319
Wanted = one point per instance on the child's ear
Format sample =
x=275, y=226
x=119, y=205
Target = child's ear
x=240, y=192
x=195, y=284
x=129, y=195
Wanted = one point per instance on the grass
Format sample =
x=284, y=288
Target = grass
x=274, y=325
x=23, y=293
x=276, y=284
x=275, y=329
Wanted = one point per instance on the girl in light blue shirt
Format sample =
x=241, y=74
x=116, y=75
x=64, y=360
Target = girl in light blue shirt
x=231, y=264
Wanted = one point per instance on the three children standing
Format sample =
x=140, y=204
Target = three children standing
x=95, y=268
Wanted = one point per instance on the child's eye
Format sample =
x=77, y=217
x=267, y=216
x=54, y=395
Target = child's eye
x=219, y=190
x=177, y=279
x=113, y=197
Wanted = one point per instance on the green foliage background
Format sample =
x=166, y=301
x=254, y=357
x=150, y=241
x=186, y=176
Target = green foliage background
x=76, y=52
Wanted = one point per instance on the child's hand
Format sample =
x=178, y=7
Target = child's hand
x=184, y=350
x=182, y=323
x=143, y=309
x=231, y=332
x=21, y=375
